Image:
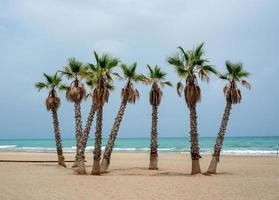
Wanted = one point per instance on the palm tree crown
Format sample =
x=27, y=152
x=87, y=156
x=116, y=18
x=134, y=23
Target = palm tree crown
x=129, y=93
x=75, y=70
x=189, y=64
x=235, y=74
x=52, y=82
x=157, y=78
x=99, y=76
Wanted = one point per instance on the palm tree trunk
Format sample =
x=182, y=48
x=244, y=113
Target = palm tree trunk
x=112, y=137
x=83, y=141
x=78, y=124
x=219, y=140
x=195, y=155
x=98, y=142
x=58, y=139
x=153, y=165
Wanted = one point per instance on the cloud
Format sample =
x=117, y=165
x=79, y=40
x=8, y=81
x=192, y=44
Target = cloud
x=39, y=36
x=111, y=46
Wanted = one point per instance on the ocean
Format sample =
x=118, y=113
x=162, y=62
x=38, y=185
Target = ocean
x=232, y=145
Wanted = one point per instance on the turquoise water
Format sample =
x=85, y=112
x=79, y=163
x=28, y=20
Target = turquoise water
x=232, y=145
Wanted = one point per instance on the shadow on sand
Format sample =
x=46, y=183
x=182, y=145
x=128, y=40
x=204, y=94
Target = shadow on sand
x=137, y=171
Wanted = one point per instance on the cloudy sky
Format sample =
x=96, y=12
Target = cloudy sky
x=39, y=36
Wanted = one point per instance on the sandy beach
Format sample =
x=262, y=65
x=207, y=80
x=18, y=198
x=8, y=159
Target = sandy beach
x=239, y=177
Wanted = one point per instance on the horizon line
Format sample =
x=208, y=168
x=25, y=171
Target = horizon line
x=164, y=137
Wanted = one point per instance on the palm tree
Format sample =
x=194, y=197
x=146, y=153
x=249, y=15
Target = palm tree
x=235, y=74
x=189, y=65
x=157, y=78
x=75, y=93
x=129, y=94
x=80, y=169
x=52, y=83
x=103, y=75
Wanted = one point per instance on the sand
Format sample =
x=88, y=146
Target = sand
x=239, y=177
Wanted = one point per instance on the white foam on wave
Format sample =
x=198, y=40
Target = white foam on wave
x=125, y=149
x=88, y=148
x=7, y=146
x=168, y=149
x=91, y=148
x=250, y=152
x=37, y=149
x=239, y=151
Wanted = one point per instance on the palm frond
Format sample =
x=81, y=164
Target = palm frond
x=243, y=74
x=76, y=92
x=185, y=54
x=202, y=73
x=48, y=78
x=155, y=95
x=40, y=86
x=75, y=65
x=63, y=87
x=113, y=63
x=179, y=88
x=150, y=70
x=223, y=76
x=144, y=79
x=66, y=73
x=199, y=50
x=133, y=67
x=164, y=83
x=52, y=102
x=110, y=86
x=210, y=68
x=96, y=57
x=156, y=73
x=246, y=84
x=182, y=72
x=229, y=66
x=116, y=75
x=175, y=61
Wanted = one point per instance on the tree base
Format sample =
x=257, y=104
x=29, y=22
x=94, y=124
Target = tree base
x=80, y=169
x=61, y=161
x=96, y=168
x=153, y=164
x=104, y=165
x=213, y=166
x=195, y=167
x=75, y=163
x=62, y=165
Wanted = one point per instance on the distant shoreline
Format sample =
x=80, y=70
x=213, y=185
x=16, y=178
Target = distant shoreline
x=160, y=137
x=232, y=145
x=2, y=152
x=274, y=153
